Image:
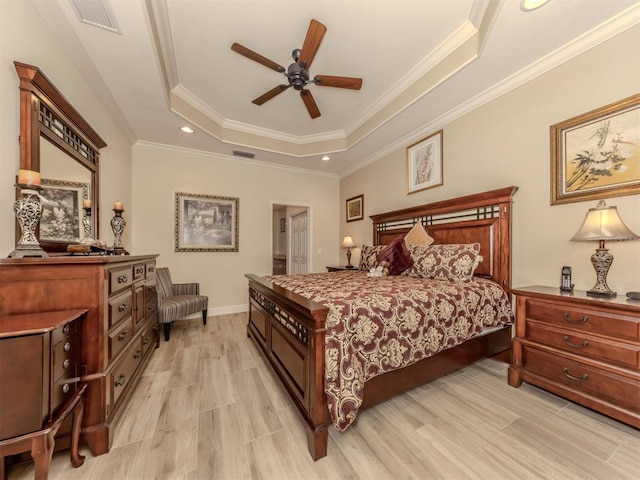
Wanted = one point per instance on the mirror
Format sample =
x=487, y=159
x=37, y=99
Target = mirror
x=57, y=142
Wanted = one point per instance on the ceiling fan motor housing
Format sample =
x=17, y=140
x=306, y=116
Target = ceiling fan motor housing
x=298, y=76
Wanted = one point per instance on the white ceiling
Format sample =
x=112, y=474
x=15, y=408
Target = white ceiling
x=423, y=63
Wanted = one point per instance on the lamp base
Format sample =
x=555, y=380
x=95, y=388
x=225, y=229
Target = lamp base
x=595, y=293
x=601, y=261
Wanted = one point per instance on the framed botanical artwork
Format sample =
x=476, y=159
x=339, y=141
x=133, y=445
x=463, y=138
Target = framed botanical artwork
x=597, y=154
x=62, y=213
x=424, y=163
x=206, y=223
x=355, y=208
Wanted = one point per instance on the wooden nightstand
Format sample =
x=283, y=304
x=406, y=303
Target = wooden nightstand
x=586, y=349
x=339, y=269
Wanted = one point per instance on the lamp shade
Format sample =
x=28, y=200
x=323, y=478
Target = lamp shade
x=347, y=242
x=603, y=223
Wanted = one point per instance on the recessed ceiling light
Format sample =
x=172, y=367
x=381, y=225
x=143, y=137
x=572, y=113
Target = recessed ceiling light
x=186, y=130
x=326, y=158
x=528, y=5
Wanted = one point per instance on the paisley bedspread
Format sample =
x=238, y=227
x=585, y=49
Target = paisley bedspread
x=378, y=324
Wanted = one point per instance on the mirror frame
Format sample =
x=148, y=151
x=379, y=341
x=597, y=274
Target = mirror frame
x=45, y=112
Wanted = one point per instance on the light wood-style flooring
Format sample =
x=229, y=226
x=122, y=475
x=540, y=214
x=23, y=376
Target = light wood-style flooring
x=208, y=407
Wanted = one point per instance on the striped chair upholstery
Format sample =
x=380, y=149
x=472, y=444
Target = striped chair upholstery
x=177, y=300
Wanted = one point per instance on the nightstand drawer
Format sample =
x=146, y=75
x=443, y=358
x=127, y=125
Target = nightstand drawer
x=583, y=377
x=591, y=346
x=584, y=319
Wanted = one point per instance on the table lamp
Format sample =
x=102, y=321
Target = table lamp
x=347, y=243
x=602, y=224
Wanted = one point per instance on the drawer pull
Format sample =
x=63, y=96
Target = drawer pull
x=138, y=354
x=146, y=340
x=123, y=278
x=582, y=378
x=120, y=381
x=67, y=347
x=66, y=328
x=123, y=335
x=570, y=320
x=123, y=307
x=139, y=271
x=66, y=363
x=151, y=269
x=65, y=388
x=585, y=343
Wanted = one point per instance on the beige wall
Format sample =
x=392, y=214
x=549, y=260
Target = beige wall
x=25, y=37
x=159, y=172
x=506, y=142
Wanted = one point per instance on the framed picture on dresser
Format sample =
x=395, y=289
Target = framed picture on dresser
x=62, y=213
x=206, y=223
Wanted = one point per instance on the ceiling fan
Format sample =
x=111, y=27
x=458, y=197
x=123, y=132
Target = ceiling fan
x=298, y=72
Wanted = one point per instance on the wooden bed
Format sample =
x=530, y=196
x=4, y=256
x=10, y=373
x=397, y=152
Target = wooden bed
x=290, y=329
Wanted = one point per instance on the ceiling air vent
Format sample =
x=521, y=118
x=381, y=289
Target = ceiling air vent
x=97, y=13
x=240, y=153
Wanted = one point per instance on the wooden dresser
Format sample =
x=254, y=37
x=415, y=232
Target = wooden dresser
x=118, y=332
x=584, y=348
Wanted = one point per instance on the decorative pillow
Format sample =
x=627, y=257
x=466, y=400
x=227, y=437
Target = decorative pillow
x=398, y=256
x=445, y=262
x=418, y=236
x=369, y=257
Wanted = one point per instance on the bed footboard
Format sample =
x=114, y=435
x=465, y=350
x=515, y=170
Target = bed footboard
x=290, y=331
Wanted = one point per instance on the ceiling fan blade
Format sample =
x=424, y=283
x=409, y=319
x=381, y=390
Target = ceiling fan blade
x=256, y=57
x=270, y=94
x=315, y=34
x=339, y=82
x=310, y=103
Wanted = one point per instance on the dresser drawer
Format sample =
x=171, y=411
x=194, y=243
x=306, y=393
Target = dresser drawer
x=122, y=374
x=119, y=338
x=66, y=357
x=62, y=332
x=120, y=278
x=119, y=308
x=150, y=270
x=61, y=391
x=139, y=271
x=583, y=377
x=591, y=346
x=584, y=319
x=149, y=337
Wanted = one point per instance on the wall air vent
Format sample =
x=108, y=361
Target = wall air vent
x=240, y=153
x=97, y=13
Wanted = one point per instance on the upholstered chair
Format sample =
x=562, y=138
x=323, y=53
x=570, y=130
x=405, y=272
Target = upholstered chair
x=177, y=300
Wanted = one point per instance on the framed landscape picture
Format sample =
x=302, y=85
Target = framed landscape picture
x=206, y=223
x=424, y=163
x=597, y=154
x=355, y=208
x=61, y=219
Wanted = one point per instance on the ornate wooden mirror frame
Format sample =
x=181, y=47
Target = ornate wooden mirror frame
x=45, y=114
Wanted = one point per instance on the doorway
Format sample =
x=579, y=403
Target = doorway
x=291, y=239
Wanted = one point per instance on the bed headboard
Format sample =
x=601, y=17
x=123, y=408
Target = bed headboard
x=482, y=217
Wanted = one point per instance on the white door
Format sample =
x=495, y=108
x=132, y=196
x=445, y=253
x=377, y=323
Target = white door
x=299, y=243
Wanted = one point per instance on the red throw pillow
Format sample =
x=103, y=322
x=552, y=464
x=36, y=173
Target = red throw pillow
x=398, y=256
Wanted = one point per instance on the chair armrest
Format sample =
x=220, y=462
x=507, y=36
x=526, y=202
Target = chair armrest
x=185, y=288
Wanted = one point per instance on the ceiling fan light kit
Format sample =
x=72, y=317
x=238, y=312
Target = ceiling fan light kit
x=298, y=72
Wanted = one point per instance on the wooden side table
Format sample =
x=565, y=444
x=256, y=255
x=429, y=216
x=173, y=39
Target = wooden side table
x=340, y=269
x=39, y=374
x=584, y=348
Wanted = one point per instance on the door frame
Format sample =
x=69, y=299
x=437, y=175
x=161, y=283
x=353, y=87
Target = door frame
x=272, y=204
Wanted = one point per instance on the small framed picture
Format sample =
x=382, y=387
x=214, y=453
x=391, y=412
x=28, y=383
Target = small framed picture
x=424, y=163
x=283, y=225
x=355, y=208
